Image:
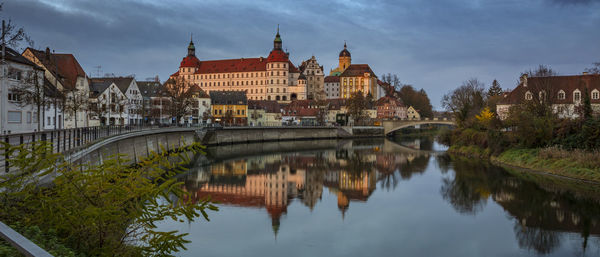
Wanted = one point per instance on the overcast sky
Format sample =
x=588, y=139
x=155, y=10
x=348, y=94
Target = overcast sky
x=431, y=44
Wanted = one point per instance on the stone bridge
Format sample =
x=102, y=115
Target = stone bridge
x=390, y=126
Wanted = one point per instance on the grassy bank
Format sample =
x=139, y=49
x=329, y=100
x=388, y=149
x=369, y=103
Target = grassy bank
x=574, y=164
x=577, y=164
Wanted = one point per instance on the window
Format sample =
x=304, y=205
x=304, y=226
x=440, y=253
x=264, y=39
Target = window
x=576, y=96
x=528, y=95
x=595, y=94
x=15, y=74
x=14, y=116
x=14, y=97
x=561, y=95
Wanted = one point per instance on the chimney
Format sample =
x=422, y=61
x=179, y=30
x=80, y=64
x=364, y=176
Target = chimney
x=585, y=73
x=524, y=79
x=47, y=52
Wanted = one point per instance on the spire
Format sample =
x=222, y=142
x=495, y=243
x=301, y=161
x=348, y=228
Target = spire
x=191, y=48
x=345, y=44
x=277, y=42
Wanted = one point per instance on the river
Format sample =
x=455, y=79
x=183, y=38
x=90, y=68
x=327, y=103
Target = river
x=380, y=197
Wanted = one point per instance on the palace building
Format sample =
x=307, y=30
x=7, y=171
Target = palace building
x=271, y=78
x=354, y=77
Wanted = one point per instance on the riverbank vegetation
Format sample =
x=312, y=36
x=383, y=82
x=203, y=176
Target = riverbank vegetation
x=110, y=209
x=532, y=135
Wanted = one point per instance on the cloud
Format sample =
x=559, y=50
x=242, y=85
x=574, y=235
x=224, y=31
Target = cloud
x=574, y=2
x=433, y=45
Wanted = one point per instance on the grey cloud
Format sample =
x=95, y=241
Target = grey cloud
x=434, y=45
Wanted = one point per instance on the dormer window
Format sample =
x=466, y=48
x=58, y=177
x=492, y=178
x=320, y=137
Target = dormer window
x=595, y=94
x=577, y=96
x=528, y=95
x=561, y=95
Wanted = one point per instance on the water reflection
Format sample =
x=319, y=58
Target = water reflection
x=541, y=210
x=271, y=176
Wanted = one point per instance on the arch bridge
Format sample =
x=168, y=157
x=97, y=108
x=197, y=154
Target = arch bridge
x=390, y=126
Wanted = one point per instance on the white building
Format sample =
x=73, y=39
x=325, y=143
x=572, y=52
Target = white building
x=133, y=102
x=565, y=94
x=108, y=103
x=17, y=72
x=332, y=87
x=64, y=73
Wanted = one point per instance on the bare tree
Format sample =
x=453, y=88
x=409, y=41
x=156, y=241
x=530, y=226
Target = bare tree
x=357, y=104
x=594, y=69
x=74, y=101
x=465, y=101
x=179, y=91
x=11, y=35
x=540, y=84
x=31, y=92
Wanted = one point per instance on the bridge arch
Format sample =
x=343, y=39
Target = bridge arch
x=393, y=125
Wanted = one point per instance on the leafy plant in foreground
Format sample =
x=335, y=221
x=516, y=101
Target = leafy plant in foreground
x=110, y=209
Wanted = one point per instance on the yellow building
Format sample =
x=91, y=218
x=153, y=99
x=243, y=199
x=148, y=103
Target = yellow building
x=345, y=60
x=413, y=114
x=229, y=107
x=355, y=77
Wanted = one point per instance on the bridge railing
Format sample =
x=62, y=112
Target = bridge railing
x=70, y=140
x=21, y=243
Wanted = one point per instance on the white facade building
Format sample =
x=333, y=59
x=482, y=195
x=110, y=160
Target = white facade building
x=18, y=72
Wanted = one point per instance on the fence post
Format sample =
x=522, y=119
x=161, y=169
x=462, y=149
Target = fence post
x=7, y=141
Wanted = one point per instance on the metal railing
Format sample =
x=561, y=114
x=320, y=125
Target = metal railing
x=21, y=243
x=69, y=140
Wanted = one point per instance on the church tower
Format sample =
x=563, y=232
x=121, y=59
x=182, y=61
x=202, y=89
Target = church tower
x=345, y=59
x=191, y=48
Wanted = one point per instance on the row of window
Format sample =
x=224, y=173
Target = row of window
x=220, y=112
x=237, y=83
x=562, y=95
x=17, y=117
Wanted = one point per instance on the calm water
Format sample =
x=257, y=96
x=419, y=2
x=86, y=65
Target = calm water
x=382, y=198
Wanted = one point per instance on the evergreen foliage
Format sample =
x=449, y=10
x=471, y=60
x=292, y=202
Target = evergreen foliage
x=110, y=209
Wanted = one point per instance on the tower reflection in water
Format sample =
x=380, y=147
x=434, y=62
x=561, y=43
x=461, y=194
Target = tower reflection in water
x=542, y=213
x=272, y=181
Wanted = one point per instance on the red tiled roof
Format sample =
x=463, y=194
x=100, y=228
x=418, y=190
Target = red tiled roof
x=355, y=70
x=277, y=55
x=568, y=84
x=293, y=68
x=267, y=105
x=389, y=100
x=189, y=61
x=232, y=65
x=332, y=79
x=66, y=66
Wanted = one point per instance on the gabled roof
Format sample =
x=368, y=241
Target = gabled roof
x=332, y=79
x=228, y=97
x=355, y=70
x=14, y=56
x=568, y=84
x=122, y=83
x=65, y=65
x=149, y=88
x=97, y=87
x=196, y=90
x=50, y=90
x=270, y=106
x=389, y=100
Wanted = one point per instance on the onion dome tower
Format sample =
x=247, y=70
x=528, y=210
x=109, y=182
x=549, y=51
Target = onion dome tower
x=345, y=58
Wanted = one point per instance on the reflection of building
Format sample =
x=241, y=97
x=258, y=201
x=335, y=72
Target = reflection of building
x=273, y=181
